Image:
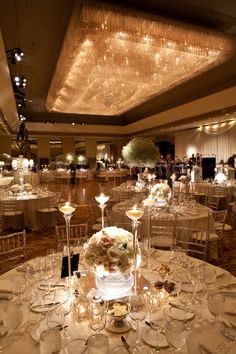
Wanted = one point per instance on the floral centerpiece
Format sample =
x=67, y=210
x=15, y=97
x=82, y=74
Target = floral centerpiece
x=161, y=192
x=110, y=254
x=140, y=152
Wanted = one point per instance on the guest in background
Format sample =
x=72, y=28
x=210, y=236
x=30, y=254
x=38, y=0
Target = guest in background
x=72, y=172
x=169, y=165
x=231, y=161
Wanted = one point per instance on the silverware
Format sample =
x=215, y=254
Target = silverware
x=4, y=334
x=180, y=307
x=148, y=324
x=50, y=304
x=126, y=344
x=52, y=285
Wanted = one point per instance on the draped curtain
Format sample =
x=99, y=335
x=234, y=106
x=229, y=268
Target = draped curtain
x=214, y=140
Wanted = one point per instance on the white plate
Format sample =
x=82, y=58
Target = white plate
x=188, y=287
x=178, y=314
x=151, y=337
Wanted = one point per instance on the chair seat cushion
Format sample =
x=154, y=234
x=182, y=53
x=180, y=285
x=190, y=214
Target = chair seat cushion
x=198, y=236
x=12, y=212
x=218, y=226
x=46, y=210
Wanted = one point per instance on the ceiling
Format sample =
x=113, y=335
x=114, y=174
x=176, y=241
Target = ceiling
x=38, y=27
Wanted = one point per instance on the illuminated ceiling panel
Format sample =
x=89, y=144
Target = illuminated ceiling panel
x=114, y=59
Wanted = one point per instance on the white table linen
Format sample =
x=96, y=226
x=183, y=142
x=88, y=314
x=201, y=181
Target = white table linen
x=23, y=336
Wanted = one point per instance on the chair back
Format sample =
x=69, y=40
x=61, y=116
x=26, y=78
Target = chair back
x=9, y=205
x=194, y=241
x=78, y=234
x=12, y=246
x=163, y=231
x=213, y=202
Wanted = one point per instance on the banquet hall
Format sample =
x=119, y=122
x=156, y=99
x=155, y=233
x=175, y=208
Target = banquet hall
x=117, y=176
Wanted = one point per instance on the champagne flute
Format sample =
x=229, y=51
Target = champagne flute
x=138, y=312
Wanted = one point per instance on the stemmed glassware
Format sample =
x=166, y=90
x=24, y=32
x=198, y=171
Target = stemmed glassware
x=97, y=315
x=157, y=317
x=209, y=277
x=102, y=199
x=176, y=334
x=138, y=312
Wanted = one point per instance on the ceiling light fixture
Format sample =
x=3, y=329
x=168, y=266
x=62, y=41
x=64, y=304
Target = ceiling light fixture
x=16, y=55
x=114, y=59
x=19, y=81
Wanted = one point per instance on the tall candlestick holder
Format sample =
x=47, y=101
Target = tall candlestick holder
x=135, y=214
x=68, y=209
x=102, y=199
x=149, y=203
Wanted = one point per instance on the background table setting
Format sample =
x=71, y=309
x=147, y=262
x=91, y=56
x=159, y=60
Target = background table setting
x=183, y=304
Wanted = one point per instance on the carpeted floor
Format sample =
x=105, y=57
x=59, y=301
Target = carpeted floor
x=38, y=242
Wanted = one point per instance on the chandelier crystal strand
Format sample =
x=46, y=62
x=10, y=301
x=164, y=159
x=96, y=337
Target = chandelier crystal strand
x=114, y=59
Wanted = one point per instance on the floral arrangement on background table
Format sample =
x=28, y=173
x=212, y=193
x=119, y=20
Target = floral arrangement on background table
x=140, y=152
x=110, y=250
x=161, y=192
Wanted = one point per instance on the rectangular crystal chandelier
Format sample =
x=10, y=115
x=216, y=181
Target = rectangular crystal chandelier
x=114, y=59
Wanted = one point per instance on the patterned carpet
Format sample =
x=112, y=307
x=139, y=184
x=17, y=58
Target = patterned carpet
x=38, y=242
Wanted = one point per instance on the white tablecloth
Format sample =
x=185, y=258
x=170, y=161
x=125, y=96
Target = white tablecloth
x=22, y=340
x=29, y=204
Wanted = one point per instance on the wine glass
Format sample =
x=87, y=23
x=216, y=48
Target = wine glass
x=138, y=311
x=209, y=277
x=176, y=334
x=157, y=318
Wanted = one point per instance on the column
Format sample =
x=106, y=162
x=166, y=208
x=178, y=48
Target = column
x=91, y=151
x=68, y=145
x=43, y=145
x=5, y=146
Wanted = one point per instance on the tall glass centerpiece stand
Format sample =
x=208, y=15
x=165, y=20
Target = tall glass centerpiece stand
x=135, y=214
x=67, y=209
x=102, y=199
x=149, y=203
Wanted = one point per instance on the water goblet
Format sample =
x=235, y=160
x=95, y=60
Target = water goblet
x=176, y=334
x=12, y=316
x=97, y=315
x=50, y=341
x=98, y=344
x=209, y=277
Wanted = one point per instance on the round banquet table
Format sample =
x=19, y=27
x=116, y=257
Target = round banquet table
x=29, y=204
x=200, y=326
x=195, y=216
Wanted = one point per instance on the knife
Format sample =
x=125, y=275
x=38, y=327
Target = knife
x=126, y=344
x=180, y=307
x=45, y=305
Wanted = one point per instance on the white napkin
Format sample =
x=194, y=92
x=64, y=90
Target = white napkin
x=215, y=343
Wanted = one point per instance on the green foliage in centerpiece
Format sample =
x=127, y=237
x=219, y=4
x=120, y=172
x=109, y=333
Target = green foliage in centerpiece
x=140, y=152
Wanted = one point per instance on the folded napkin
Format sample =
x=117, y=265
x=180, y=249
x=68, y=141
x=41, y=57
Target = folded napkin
x=215, y=343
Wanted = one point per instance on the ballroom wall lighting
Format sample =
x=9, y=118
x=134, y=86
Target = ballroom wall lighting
x=114, y=59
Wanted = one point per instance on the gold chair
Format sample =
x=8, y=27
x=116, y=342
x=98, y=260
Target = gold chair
x=220, y=225
x=12, y=248
x=78, y=234
x=163, y=231
x=193, y=241
x=13, y=218
x=46, y=217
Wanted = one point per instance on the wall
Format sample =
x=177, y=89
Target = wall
x=193, y=141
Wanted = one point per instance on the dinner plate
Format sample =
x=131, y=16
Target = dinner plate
x=151, y=337
x=188, y=287
x=179, y=314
